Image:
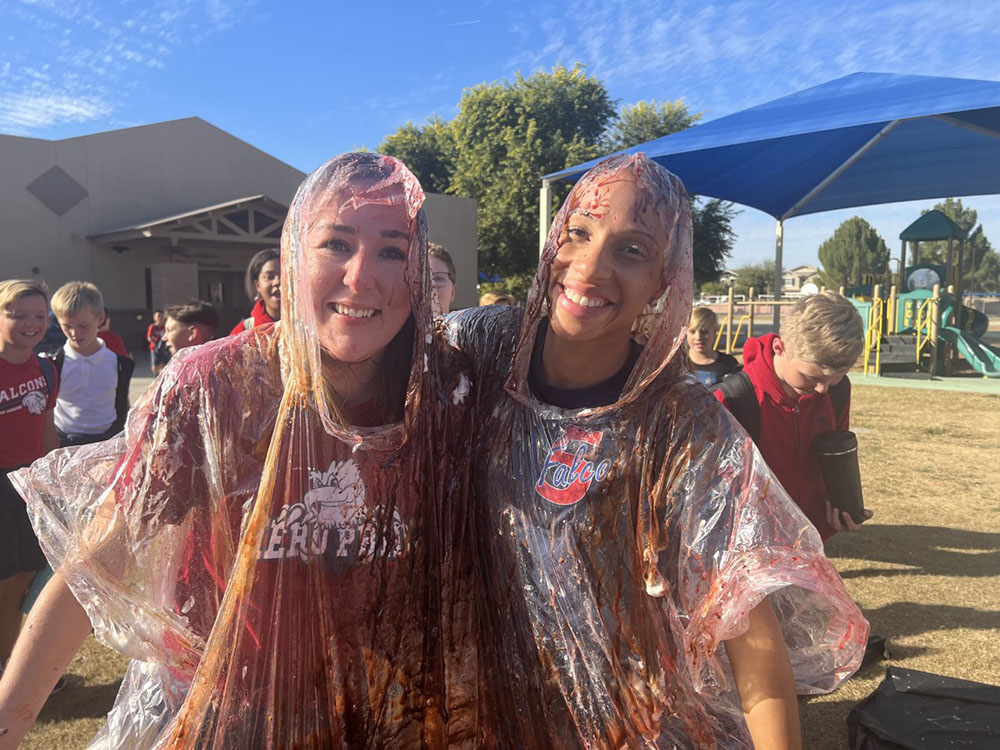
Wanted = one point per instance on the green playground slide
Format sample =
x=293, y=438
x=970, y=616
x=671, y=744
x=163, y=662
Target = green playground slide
x=979, y=355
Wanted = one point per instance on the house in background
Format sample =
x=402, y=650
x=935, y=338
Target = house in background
x=792, y=281
x=158, y=214
x=727, y=277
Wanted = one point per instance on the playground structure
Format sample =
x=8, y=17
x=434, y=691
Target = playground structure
x=922, y=325
x=925, y=328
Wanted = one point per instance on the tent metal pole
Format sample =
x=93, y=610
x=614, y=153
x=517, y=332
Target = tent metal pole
x=778, y=247
x=841, y=169
x=966, y=126
x=544, y=214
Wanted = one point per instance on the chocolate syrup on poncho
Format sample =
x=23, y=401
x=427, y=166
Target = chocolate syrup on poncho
x=280, y=580
x=623, y=544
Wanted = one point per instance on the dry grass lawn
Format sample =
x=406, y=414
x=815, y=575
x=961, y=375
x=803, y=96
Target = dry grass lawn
x=926, y=570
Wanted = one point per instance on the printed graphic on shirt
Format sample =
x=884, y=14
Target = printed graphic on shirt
x=708, y=378
x=570, y=466
x=332, y=519
x=29, y=395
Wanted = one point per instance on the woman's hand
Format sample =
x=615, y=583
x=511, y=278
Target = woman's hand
x=764, y=679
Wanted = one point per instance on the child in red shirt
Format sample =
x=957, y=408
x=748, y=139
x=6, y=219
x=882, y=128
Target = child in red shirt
x=27, y=431
x=792, y=374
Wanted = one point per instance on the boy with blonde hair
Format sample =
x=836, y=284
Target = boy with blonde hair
x=800, y=391
x=710, y=366
x=497, y=298
x=28, y=391
x=93, y=398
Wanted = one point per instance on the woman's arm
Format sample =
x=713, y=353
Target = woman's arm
x=765, y=683
x=54, y=631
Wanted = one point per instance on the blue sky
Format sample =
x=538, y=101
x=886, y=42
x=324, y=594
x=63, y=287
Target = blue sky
x=304, y=80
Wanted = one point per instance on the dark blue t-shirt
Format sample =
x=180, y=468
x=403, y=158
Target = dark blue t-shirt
x=712, y=373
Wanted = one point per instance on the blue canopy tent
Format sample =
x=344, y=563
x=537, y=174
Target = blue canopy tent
x=864, y=139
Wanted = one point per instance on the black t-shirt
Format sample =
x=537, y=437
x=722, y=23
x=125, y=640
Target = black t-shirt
x=712, y=373
x=600, y=394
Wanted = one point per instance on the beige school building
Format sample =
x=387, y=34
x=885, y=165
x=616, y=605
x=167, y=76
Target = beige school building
x=158, y=214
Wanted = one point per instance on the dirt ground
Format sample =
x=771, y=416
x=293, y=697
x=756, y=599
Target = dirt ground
x=925, y=570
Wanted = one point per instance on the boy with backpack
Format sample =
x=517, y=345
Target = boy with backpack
x=793, y=388
x=93, y=398
x=28, y=392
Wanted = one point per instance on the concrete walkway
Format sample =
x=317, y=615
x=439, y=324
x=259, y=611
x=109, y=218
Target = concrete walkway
x=963, y=383
x=138, y=386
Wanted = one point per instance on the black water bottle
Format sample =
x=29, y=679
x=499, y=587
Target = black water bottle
x=838, y=461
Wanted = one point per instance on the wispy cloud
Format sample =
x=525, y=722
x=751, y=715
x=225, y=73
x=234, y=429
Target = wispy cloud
x=27, y=112
x=723, y=57
x=76, y=60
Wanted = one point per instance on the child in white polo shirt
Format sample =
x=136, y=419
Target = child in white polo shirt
x=93, y=392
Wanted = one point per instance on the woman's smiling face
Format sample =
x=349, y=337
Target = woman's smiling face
x=357, y=258
x=609, y=264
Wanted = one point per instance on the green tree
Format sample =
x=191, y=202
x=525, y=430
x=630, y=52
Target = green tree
x=429, y=152
x=980, y=261
x=987, y=275
x=645, y=121
x=507, y=135
x=758, y=276
x=713, y=237
x=713, y=288
x=517, y=285
x=854, y=251
x=712, y=218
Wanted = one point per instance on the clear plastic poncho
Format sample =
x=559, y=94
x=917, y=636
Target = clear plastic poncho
x=279, y=579
x=622, y=545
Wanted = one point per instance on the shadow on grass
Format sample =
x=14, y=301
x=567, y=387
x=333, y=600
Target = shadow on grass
x=79, y=701
x=824, y=723
x=912, y=618
x=926, y=550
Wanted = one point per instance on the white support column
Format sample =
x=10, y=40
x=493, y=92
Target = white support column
x=778, y=240
x=544, y=214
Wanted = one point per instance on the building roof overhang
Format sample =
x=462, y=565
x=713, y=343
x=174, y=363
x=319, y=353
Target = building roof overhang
x=253, y=220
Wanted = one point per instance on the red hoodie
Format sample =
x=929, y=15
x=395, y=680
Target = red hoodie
x=788, y=427
x=259, y=317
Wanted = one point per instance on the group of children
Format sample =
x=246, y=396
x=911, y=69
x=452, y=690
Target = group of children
x=73, y=395
x=791, y=388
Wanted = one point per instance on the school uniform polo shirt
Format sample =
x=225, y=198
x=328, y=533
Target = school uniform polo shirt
x=86, y=404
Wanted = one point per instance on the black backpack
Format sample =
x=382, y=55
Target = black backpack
x=48, y=372
x=742, y=401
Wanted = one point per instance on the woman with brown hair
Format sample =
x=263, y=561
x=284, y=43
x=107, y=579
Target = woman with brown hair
x=644, y=580
x=275, y=540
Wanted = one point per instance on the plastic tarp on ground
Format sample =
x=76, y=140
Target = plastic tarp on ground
x=864, y=139
x=913, y=710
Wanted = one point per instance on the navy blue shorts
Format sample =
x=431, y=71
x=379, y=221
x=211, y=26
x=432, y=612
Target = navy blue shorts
x=19, y=550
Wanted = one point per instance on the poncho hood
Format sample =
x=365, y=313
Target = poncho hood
x=351, y=181
x=758, y=357
x=660, y=329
